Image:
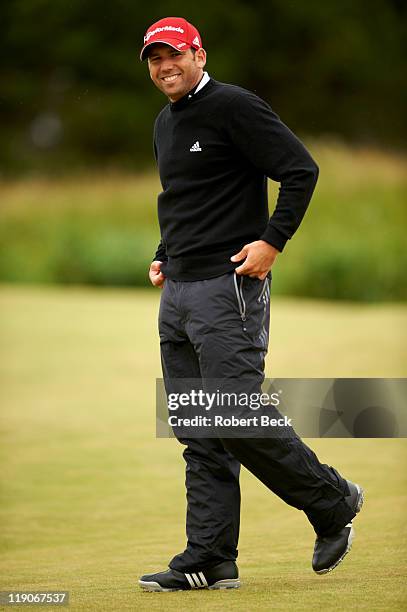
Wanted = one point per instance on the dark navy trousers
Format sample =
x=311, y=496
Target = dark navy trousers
x=218, y=328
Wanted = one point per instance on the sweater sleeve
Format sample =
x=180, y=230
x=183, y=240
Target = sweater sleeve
x=270, y=146
x=160, y=254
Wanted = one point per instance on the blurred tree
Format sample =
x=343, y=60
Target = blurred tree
x=73, y=92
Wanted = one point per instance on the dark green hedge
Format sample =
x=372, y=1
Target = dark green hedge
x=350, y=246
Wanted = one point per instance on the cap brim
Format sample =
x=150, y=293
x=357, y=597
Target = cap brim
x=172, y=43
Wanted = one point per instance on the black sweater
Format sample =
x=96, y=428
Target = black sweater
x=215, y=150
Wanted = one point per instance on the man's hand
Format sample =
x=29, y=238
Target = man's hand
x=259, y=257
x=157, y=278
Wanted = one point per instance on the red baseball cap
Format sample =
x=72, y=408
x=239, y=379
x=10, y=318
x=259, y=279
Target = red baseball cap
x=174, y=31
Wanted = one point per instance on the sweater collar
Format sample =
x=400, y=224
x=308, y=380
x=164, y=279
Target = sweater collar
x=185, y=100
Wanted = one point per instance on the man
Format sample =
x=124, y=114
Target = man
x=215, y=145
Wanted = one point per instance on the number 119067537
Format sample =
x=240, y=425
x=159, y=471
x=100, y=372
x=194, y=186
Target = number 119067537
x=19, y=598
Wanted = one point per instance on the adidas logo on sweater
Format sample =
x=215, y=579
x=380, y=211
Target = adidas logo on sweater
x=195, y=147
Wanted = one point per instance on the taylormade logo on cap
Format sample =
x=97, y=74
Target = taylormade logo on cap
x=176, y=32
x=165, y=28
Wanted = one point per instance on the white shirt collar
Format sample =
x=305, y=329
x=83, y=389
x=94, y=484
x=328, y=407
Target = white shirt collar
x=202, y=83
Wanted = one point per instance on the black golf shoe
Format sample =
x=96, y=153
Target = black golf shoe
x=222, y=576
x=329, y=551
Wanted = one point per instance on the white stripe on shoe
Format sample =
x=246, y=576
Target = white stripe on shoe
x=190, y=580
x=196, y=581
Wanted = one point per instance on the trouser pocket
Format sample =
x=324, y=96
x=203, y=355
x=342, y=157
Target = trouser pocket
x=247, y=290
x=252, y=298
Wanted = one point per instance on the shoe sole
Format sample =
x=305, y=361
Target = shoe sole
x=230, y=583
x=361, y=499
x=359, y=504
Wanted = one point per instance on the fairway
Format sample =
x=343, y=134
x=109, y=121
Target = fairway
x=90, y=499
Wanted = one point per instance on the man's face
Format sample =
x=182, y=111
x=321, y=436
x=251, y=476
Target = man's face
x=175, y=72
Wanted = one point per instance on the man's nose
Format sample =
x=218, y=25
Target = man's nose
x=167, y=64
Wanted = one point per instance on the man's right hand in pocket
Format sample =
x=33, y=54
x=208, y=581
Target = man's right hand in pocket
x=157, y=278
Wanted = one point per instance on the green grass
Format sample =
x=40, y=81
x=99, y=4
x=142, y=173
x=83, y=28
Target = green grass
x=91, y=499
x=102, y=229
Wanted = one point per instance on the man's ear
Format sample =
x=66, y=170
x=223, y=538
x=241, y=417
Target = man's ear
x=200, y=57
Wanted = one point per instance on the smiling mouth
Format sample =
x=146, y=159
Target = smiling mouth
x=171, y=78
